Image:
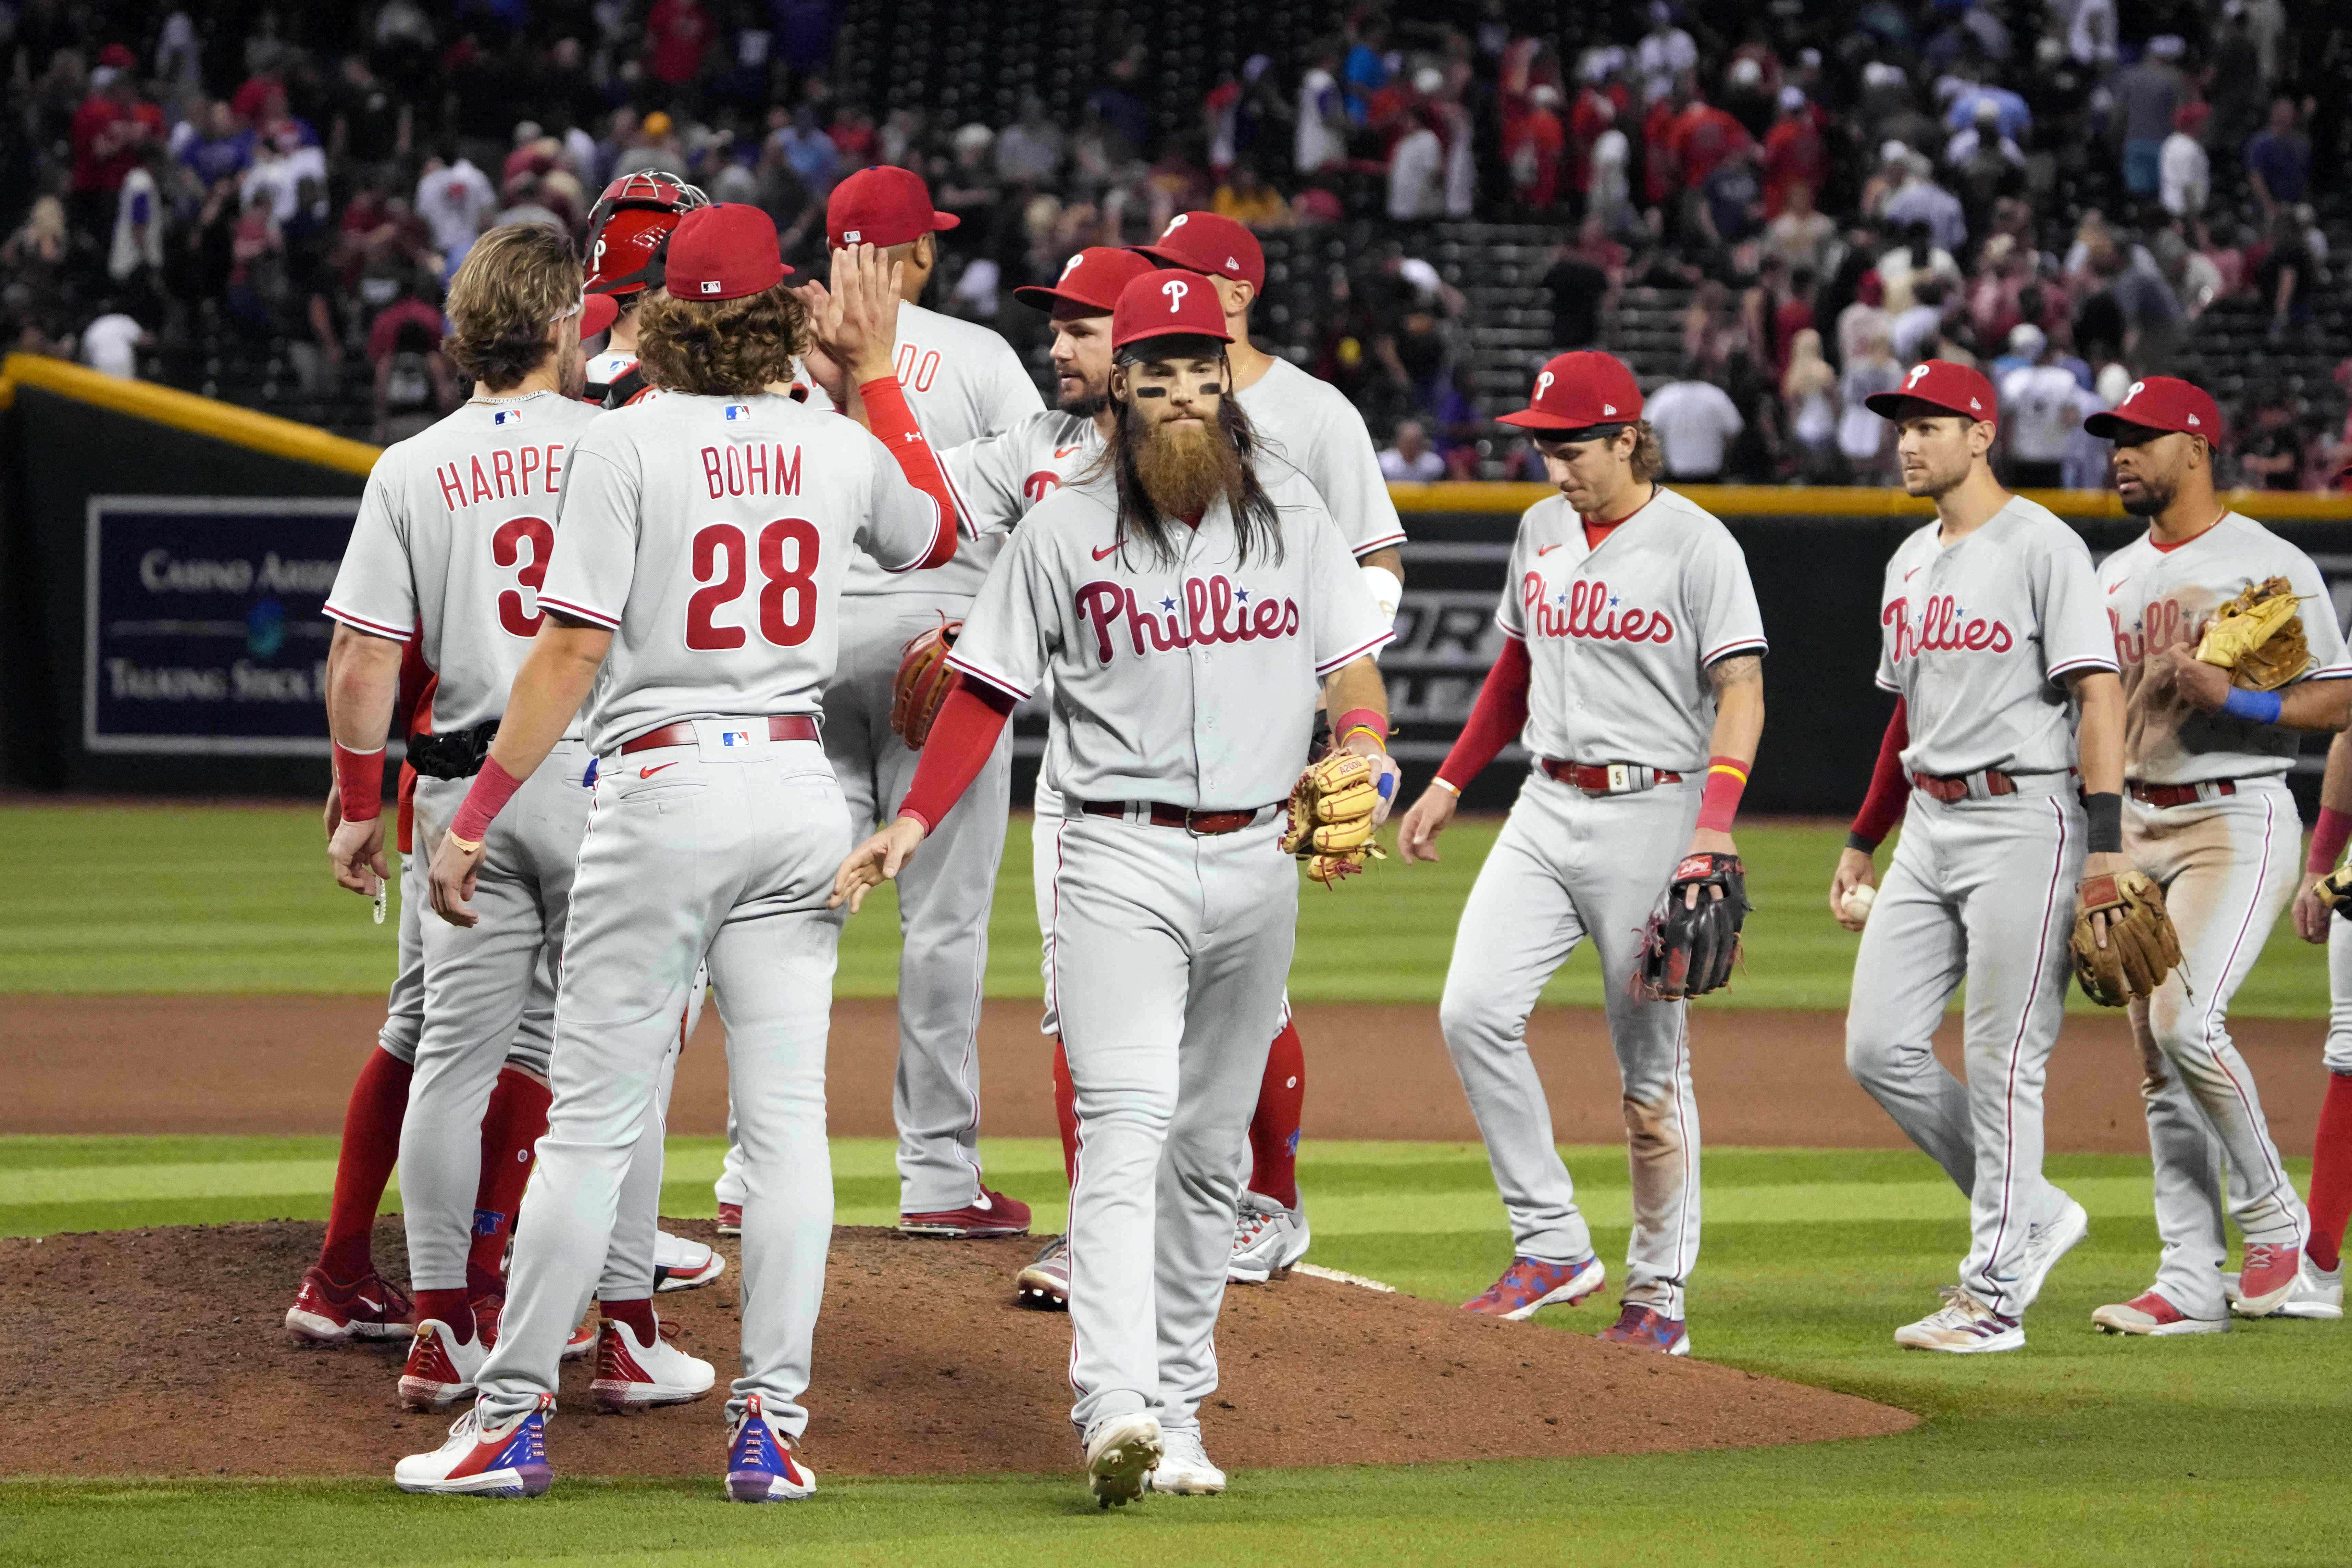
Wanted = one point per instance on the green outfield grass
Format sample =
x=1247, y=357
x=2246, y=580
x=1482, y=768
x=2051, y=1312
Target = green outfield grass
x=2078, y=1449
x=237, y=899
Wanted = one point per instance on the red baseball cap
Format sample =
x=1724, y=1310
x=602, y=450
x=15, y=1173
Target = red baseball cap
x=118, y=56
x=597, y=314
x=1578, y=391
x=1092, y=277
x=1206, y=242
x=2161, y=403
x=723, y=252
x=1955, y=388
x=881, y=205
x=1170, y=302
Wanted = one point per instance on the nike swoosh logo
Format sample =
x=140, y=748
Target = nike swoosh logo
x=2116, y=588
x=982, y=1204
x=1913, y=572
x=1547, y=550
x=1105, y=552
x=1063, y=451
x=648, y=772
x=370, y=1306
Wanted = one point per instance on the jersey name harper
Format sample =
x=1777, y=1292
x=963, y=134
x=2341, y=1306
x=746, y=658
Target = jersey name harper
x=513, y=472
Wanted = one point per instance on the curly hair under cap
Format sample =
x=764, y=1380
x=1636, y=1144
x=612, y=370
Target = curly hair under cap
x=728, y=348
x=512, y=287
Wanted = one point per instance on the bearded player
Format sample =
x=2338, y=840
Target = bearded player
x=1175, y=917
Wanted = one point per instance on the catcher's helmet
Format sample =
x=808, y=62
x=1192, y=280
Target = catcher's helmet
x=629, y=226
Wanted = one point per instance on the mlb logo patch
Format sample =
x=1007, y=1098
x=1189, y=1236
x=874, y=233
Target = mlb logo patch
x=507, y=416
x=737, y=411
x=734, y=737
x=709, y=285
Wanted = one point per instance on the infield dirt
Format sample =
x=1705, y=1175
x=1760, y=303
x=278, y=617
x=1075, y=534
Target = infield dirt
x=162, y=1352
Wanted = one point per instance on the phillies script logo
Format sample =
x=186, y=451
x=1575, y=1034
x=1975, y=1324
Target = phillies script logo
x=1940, y=629
x=1040, y=484
x=1585, y=609
x=2160, y=626
x=1213, y=610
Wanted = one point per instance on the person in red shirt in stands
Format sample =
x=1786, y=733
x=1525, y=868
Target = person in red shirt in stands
x=678, y=36
x=1794, y=153
x=1533, y=150
x=111, y=132
x=1701, y=138
x=1661, y=173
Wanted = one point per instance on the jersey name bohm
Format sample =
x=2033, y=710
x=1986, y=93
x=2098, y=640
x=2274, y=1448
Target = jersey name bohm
x=750, y=469
x=1585, y=609
x=1208, y=604
x=2160, y=624
x=513, y=471
x=1941, y=629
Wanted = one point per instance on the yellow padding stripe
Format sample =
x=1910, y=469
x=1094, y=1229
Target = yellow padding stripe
x=185, y=411
x=1738, y=772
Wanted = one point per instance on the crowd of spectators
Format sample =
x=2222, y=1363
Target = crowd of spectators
x=1827, y=199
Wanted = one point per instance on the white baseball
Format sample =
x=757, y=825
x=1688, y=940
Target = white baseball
x=1858, y=899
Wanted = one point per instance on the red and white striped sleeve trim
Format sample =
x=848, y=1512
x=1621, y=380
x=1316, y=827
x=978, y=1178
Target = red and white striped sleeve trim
x=1508, y=630
x=1386, y=542
x=1740, y=645
x=944, y=525
x=1005, y=684
x=360, y=623
x=2331, y=672
x=1886, y=686
x=2072, y=665
x=1378, y=642
x=580, y=612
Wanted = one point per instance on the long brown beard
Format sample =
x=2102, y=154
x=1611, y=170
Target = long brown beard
x=1186, y=469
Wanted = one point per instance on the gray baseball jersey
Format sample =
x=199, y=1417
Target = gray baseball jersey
x=1161, y=672
x=997, y=478
x=2155, y=598
x=454, y=536
x=1620, y=637
x=1978, y=636
x=712, y=535
x=1311, y=425
x=963, y=381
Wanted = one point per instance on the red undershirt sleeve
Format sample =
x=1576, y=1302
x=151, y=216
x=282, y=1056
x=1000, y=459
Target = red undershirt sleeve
x=1889, y=790
x=956, y=748
x=1500, y=714
x=893, y=423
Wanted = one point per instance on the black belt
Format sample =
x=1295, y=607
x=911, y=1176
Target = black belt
x=456, y=755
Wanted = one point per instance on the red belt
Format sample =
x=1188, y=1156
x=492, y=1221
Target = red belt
x=780, y=727
x=1952, y=789
x=2180, y=795
x=1593, y=778
x=1202, y=823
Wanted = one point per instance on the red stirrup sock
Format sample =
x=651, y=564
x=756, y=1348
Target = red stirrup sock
x=2331, y=1174
x=1065, y=1111
x=455, y=1308
x=511, y=1127
x=638, y=1314
x=1274, y=1130
x=371, y=1120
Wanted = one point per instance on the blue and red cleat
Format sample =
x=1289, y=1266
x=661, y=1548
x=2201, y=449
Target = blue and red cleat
x=505, y=1459
x=1530, y=1283
x=1646, y=1327
x=760, y=1464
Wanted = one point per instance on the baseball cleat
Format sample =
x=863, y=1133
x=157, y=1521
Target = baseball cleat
x=2046, y=1244
x=990, y=1214
x=1267, y=1239
x=730, y=1219
x=508, y=1459
x=326, y=1313
x=1120, y=1454
x=1185, y=1468
x=1961, y=1326
x=630, y=1375
x=1646, y=1328
x=2318, y=1293
x=1045, y=1284
x=682, y=1265
x=2149, y=1314
x=762, y=1463
x=1530, y=1283
x=440, y=1370
x=583, y=1338
x=2272, y=1274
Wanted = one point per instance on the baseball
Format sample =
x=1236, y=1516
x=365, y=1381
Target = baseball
x=1858, y=899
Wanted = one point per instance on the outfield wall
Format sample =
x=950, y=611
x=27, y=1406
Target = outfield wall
x=167, y=554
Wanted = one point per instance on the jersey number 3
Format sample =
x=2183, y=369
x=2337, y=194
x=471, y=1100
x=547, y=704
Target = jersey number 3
x=787, y=592
x=507, y=546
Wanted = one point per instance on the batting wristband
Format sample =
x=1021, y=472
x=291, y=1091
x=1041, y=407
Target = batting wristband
x=893, y=423
x=1363, y=719
x=493, y=787
x=1726, y=778
x=2107, y=814
x=2327, y=840
x=2256, y=707
x=359, y=782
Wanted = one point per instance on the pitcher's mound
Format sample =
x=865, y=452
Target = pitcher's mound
x=164, y=1353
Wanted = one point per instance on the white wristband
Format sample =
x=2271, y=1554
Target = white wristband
x=1447, y=788
x=1387, y=590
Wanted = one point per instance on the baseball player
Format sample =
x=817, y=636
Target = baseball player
x=453, y=532
x=1633, y=664
x=2320, y=1293
x=704, y=534
x=963, y=381
x=2210, y=821
x=627, y=229
x=1993, y=637
x=1184, y=610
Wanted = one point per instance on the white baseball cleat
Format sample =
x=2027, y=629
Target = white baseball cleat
x=1267, y=1239
x=1961, y=1326
x=505, y=1459
x=1044, y=1283
x=2046, y=1244
x=682, y=1265
x=630, y=1375
x=439, y=1370
x=764, y=1465
x=2317, y=1293
x=2150, y=1313
x=1184, y=1468
x=1120, y=1454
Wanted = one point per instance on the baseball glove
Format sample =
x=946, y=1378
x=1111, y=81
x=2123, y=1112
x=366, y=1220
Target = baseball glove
x=2142, y=947
x=1688, y=949
x=2257, y=638
x=924, y=683
x=2335, y=890
x=1331, y=810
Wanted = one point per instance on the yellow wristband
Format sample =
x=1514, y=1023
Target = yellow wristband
x=469, y=845
x=1355, y=730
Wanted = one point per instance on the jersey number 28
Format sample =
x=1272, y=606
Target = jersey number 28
x=787, y=592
